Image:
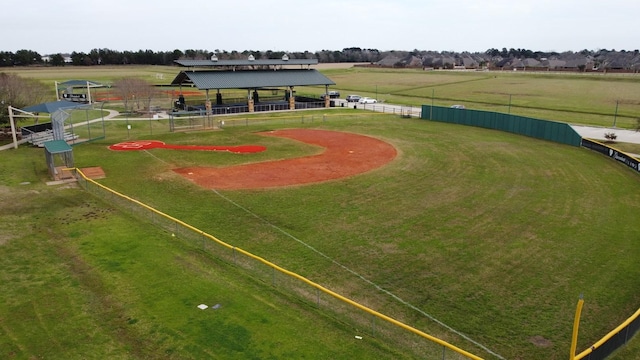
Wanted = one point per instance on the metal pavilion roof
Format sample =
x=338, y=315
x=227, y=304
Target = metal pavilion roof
x=253, y=79
x=79, y=83
x=236, y=63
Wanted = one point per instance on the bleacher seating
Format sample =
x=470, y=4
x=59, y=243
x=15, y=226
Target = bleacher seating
x=39, y=138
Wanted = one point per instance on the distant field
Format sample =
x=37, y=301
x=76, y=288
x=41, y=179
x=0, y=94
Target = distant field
x=575, y=98
x=589, y=99
x=103, y=74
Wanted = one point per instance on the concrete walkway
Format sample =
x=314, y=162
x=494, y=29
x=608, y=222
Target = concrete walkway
x=597, y=133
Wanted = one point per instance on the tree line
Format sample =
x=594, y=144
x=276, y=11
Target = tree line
x=352, y=54
x=150, y=57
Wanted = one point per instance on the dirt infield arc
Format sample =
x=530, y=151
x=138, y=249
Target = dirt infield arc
x=344, y=155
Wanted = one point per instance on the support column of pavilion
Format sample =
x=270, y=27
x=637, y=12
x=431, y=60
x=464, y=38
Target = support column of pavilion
x=292, y=99
x=250, y=103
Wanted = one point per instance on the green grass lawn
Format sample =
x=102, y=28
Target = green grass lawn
x=84, y=280
x=493, y=234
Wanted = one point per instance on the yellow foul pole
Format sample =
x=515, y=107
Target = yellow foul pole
x=576, y=325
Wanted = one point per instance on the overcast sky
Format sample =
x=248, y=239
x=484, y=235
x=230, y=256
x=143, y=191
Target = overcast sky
x=50, y=27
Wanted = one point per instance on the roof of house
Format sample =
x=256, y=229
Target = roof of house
x=250, y=79
x=531, y=62
x=389, y=60
x=469, y=62
x=554, y=63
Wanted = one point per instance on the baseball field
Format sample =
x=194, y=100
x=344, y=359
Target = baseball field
x=481, y=238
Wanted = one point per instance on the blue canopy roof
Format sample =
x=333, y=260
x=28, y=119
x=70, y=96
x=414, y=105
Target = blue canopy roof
x=51, y=107
x=79, y=83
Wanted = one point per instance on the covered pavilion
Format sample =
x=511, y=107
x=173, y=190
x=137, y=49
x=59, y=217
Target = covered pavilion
x=251, y=75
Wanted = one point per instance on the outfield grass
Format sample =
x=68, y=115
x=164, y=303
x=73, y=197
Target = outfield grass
x=495, y=235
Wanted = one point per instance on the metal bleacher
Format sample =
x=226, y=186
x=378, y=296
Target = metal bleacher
x=39, y=138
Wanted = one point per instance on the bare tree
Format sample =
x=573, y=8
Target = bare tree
x=19, y=92
x=134, y=90
x=146, y=94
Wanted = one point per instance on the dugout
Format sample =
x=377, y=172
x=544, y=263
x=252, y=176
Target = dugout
x=59, y=158
x=253, y=75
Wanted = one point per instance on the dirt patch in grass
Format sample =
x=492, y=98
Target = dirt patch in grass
x=540, y=341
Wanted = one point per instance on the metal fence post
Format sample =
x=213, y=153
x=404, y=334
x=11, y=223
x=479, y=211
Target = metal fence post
x=373, y=326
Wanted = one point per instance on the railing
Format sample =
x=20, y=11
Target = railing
x=613, y=340
x=610, y=151
x=403, y=111
x=358, y=316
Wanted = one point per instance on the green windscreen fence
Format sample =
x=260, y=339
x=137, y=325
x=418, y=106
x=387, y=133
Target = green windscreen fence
x=541, y=129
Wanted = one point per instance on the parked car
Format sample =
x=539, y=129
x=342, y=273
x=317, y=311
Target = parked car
x=332, y=95
x=457, y=106
x=353, y=98
x=367, y=100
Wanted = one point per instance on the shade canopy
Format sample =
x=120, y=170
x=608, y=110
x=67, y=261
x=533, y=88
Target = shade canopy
x=53, y=106
x=79, y=83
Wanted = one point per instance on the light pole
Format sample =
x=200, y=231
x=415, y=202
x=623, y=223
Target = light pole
x=509, y=103
x=433, y=91
x=128, y=125
x=376, y=92
x=615, y=115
